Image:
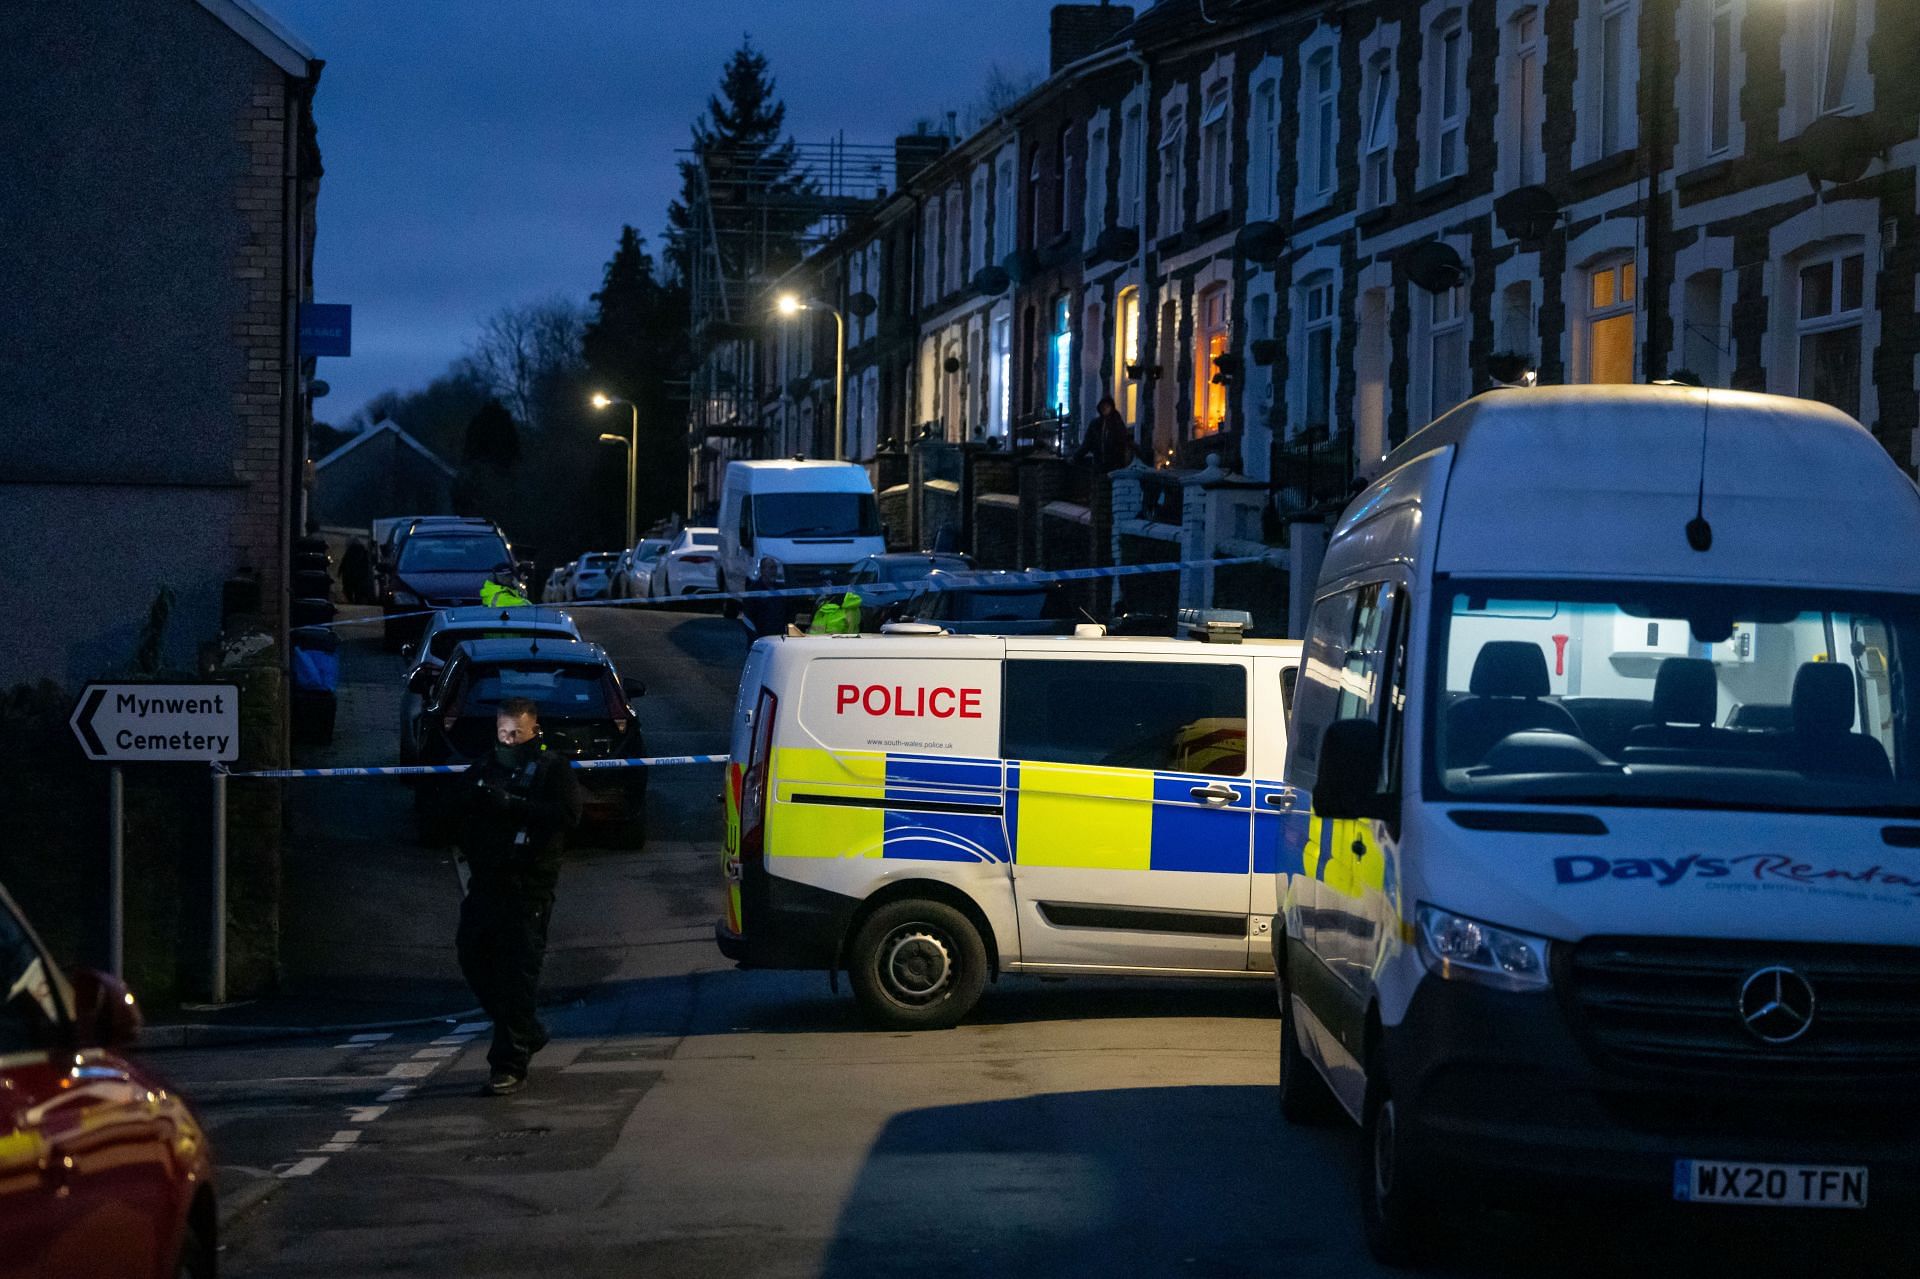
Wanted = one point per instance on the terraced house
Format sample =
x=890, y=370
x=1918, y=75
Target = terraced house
x=1283, y=236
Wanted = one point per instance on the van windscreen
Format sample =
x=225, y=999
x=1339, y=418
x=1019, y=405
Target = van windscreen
x=816, y=515
x=1695, y=696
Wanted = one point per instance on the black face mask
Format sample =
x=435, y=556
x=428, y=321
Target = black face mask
x=514, y=756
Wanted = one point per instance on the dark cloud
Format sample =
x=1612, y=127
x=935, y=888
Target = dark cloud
x=484, y=152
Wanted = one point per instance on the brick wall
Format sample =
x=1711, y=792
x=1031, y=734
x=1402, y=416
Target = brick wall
x=259, y=329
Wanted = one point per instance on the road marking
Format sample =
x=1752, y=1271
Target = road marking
x=472, y=1027
x=342, y=1140
x=436, y=1054
x=305, y=1167
x=444, y=1040
x=364, y=1114
x=399, y=1092
x=413, y=1070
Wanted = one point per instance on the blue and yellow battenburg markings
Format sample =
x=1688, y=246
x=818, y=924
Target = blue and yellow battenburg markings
x=872, y=804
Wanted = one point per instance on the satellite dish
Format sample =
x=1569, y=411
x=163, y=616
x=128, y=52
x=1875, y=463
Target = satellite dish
x=1836, y=148
x=1434, y=266
x=1021, y=265
x=1117, y=243
x=991, y=280
x=862, y=305
x=1526, y=213
x=1260, y=242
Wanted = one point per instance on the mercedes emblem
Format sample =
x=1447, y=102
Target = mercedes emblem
x=1776, y=1005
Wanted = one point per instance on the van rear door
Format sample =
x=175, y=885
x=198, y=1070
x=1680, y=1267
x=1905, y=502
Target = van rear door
x=1275, y=804
x=1131, y=803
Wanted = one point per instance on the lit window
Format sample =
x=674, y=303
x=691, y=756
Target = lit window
x=1210, y=343
x=1446, y=349
x=1060, y=373
x=1609, y=322
x=1832, y=302
x=1316, y=351
x=1446, y=79
x=1126, y=352
x=1215, y=192
x=1376, y=163
x=1173, y=169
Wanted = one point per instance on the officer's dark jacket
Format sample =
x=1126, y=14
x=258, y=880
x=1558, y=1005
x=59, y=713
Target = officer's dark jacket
x=545, y=802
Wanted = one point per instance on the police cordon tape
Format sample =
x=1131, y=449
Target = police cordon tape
x=438, y=770
x=868, y=590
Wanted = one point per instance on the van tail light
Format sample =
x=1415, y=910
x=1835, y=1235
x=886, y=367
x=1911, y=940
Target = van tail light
x=756, y=780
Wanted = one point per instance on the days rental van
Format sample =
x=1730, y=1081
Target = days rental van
x=793, y=523
x=927, y=812
x=1606, y=870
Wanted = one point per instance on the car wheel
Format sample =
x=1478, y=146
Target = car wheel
x=1304, y=1095
x=918, y=965
x=1393, y=1207
x=197, y=1260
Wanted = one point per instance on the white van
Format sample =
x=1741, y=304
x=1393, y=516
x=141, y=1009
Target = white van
x=1612, y=869
x=790, y=524
x=927, y=812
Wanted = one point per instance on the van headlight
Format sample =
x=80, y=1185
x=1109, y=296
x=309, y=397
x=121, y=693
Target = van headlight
x=1459, y=948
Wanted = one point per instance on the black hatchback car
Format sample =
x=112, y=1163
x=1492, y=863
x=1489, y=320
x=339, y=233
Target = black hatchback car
x=586, y=712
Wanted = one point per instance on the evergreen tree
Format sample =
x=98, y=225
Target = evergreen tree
x=636, y=347
x=760, y=199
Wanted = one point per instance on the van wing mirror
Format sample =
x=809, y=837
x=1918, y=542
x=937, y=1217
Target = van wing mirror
x=633, y=688
x=1346, y=784
x=104, y=1012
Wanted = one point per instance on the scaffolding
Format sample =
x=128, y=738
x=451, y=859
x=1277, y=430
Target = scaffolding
x=757, y=216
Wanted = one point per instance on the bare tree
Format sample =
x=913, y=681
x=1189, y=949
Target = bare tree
x=522, y=349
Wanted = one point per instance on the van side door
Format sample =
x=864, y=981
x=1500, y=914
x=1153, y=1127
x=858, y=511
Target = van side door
x=1276, y=805
x=1130, y=802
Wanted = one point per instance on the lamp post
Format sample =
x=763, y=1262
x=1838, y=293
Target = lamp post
x=788, y=304
x=601, y=401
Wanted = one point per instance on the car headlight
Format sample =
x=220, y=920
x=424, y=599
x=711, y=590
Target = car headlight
x=1458, y=948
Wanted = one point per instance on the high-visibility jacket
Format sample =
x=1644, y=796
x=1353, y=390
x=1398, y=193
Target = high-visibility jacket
x=840, y=617
x=494, y=595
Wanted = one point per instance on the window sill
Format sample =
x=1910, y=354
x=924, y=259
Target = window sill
x=1702, y=174
x=1378, y=215
x=1439, y=189
x=1613, y=165
x=1213, y=222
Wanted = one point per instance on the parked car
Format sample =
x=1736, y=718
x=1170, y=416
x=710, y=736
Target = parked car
x=586, y=712
x=636, y=581
x=442, y=568
x=688, y=565
x=448, y=630
x=104, y=1169
x=593, y=576
x=980, y=604
x=551, y=593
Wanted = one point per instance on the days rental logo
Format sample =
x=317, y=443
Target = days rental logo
x=159, y=723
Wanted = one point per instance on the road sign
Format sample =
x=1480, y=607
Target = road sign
x=159, y=723
x=326, y=328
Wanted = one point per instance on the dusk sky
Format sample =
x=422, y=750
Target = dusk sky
x=486, y=152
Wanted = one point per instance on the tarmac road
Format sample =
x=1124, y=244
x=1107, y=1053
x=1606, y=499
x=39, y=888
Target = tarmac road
x=695, y=1119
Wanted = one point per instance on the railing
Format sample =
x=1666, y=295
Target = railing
x=1045, y=433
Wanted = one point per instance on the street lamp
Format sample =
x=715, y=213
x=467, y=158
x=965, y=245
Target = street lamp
x=603, y=401
x=788, y=305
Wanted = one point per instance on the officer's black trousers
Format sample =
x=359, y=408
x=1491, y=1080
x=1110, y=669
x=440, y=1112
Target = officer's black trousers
x=502, y=944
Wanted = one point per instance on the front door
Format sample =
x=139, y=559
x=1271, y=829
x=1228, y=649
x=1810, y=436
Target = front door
x=1130, y=803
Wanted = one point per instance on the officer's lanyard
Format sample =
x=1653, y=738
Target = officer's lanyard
x=526, y=782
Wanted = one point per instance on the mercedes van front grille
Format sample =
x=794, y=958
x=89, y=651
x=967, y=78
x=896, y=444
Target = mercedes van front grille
x=1735, y=1012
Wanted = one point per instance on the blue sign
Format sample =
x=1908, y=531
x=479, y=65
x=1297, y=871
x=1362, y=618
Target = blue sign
x=326, y=328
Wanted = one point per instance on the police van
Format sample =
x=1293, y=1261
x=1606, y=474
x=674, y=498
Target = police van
x=1607, y=867
x=925, y=812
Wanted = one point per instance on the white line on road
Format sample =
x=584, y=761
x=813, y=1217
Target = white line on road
x=445, y=1040
x=305, y=1167
x=472, y=1027
x=413, y=1070
x=399, y=1092
x=364, y=1114
x=436, y=1054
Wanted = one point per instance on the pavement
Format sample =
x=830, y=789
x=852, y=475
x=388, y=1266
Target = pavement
x=694, y=1119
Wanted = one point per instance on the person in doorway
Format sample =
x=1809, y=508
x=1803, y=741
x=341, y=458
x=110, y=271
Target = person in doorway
x=1109, y=443
x=519, y=805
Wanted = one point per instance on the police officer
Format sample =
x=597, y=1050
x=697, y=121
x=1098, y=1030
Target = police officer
x=518, y=805
x=502, y=589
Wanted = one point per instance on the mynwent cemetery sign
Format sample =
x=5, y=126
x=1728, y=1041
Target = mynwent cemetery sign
x=159, y=723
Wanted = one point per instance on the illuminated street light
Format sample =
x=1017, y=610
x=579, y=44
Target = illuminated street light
x=601, y=400
x=788, y=304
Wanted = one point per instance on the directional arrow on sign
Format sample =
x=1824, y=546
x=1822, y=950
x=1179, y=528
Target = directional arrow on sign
x=159, y=723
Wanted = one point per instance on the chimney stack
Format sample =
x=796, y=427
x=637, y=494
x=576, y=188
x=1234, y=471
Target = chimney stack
x=913, y=152
x=1076, y=30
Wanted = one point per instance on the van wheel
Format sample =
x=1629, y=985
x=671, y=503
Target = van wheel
x=1304, y=1096
x=197, y=1261
x=1393, y=1209
x=918, y=965
x=729, y=609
